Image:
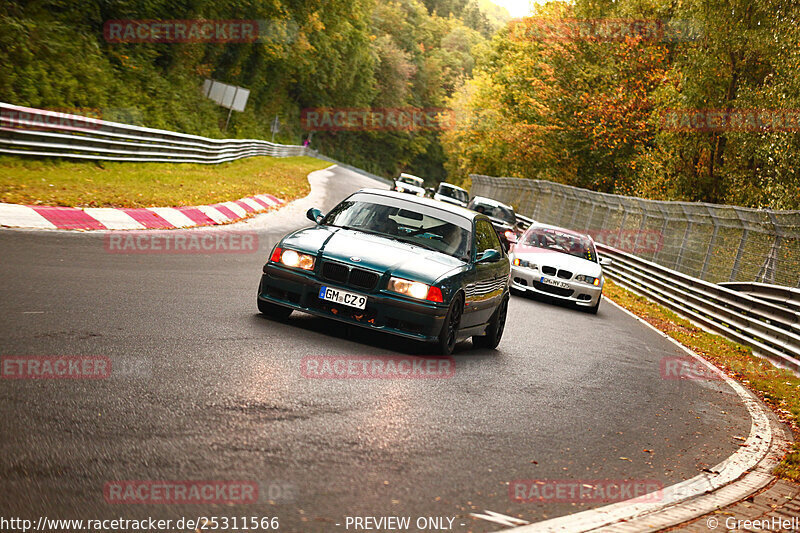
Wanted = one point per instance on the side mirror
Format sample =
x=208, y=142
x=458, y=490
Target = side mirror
x=512, y=237
x=606, y=261
x=489, y=256
x=314, y=215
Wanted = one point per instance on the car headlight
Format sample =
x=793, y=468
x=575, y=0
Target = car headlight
x=523, y=263
x=293, y=259
x=415, y=289
x=588, y=279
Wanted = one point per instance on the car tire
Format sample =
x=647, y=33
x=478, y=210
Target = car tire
x=495, y=330
x=275, y=311
x=452, y=322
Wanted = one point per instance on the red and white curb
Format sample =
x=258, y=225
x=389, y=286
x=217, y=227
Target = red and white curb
x=111, y=218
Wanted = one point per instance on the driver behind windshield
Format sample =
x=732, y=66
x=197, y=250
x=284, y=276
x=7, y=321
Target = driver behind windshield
x=381, y=222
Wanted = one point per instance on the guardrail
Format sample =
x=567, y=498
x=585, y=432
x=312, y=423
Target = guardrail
x=769, y=329
x=717, y=243
x=777, y=294
x=38, y=132
x=764, y=317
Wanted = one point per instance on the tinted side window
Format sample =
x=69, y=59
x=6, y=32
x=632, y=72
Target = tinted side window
x=486, y=237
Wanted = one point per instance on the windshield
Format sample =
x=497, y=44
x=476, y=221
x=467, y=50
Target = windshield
x=490, y=210
x=452, y=192
x=560, y=241
x=405, y=221
x=411, y=181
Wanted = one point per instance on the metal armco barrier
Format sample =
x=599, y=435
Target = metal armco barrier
x=717, y=243
x=769, y=329
x=38, y=132
x=764, y=317
x=784, y=296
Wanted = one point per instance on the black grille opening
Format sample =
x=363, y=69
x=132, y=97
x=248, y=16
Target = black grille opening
x=565, y=274
x=282, y=294
x=363, y=279
x=520, y=281
x=334, y=272
x=357, y=277
x=550, y=271
x=403, y=325
x=552, y=290
x=584, y=297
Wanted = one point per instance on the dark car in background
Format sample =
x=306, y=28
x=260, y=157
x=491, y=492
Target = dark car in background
x=502, y=216
x=452, y=194
x=402, y=264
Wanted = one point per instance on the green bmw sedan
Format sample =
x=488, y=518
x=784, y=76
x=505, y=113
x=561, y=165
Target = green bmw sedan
x=409, y=266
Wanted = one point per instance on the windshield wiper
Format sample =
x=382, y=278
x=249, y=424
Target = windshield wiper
x=393, y=237
x=420, y=244
x=371, y=232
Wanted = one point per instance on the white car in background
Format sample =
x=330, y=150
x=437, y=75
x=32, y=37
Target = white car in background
x=452, y=194
x=410, y=184
x=558, y=263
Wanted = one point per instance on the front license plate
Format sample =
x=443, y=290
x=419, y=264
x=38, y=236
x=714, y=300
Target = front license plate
x=555, y=283
x=343, y=297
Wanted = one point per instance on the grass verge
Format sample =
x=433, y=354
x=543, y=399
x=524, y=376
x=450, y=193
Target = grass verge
x=117, y=184
x=778, y=388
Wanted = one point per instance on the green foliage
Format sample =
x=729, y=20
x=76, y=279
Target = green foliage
x=588, y=112
x=318, y=53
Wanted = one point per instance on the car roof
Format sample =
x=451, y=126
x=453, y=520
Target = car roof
x=559, y=228
x=405, y=175
x=452, y=186
x=430, y=202
x=489, y=201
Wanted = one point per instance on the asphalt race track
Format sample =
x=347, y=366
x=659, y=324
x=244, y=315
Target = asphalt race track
x=214, y=391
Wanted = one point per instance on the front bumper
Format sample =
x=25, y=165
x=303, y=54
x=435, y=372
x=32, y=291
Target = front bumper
x=384, y=312
x=528, y=280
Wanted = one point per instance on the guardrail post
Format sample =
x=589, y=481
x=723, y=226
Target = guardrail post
x=737, y=261
x=575, y=213
x=622, y=224
x=591, y=216
x=645, y=216
x=767, y=271
x=548, y=210
x=663, y=232
x=679, y=259
x=604, y=224
x=561, y=208
x=711, y=243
